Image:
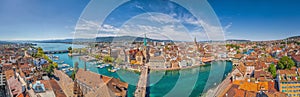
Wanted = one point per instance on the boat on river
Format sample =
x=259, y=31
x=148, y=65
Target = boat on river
x=113, y=69
x=60, y=62
x=65, y=70
x=107, y=65
x=100, y=66
x=65, y=65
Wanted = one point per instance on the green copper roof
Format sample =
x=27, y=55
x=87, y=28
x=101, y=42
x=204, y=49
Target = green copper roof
x=145, y=40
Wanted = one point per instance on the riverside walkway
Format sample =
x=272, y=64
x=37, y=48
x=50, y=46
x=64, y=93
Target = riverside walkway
x=220, y=89
x=141, y=89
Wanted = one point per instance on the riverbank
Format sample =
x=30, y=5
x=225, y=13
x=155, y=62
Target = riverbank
x=170, y=69
x=161, y=82
x=188, y=67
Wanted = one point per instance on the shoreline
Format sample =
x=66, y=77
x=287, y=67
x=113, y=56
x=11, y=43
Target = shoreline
x=189, y=67
x=171, y=69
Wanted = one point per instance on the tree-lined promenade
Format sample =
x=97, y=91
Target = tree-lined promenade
x=53, y=65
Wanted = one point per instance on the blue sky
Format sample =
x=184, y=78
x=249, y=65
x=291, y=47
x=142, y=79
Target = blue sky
x=240, y=19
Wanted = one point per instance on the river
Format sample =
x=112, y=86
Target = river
x=179, y=83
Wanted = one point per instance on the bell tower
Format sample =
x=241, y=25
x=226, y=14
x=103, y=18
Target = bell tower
x=196, y=45
x=145, y=50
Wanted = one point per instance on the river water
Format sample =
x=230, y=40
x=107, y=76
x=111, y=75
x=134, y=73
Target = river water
x=179, y=83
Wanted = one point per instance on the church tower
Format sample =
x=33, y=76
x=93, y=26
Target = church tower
x=145, y=50
x=196, y=45
x=145, y=40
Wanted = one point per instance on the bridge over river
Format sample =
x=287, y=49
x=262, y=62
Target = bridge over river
x=141, y=88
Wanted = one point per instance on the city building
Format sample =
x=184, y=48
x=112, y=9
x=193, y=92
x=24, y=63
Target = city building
x=289, y=82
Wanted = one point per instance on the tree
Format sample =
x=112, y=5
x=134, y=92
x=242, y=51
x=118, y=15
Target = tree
x=40, y=52
x=73, y=75
x=55, y=65
x=97, y=56
x=108, y=59
x=49, y=69
x=286, y=63
x=70, y=49
x=272, y=69
x=39, y=49
x=76, y=66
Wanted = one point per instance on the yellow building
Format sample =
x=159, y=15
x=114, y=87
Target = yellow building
x=288, y=82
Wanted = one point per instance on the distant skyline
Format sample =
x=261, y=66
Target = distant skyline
x=53, y=19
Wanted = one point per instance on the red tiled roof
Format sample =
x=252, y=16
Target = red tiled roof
x=9, y=74
x=234, y=92
x=296, y=58
x=57, y=89
x=15, y=86
x=238, y=56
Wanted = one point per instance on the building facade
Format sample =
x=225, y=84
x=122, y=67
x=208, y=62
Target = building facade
x=288, y=82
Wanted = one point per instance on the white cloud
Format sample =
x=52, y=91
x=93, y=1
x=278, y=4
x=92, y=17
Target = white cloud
x=158, y=26
x=228, y=26
x=90, y=29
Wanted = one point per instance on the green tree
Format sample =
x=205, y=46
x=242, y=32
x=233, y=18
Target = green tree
x=97, y=56
x=238, y=52
x=76, y=66
x=49, y=69
x=73, y=75
x=55, y=65
x=286, y=63
x=40, y=52
x=108, y=59
x=70, y=49
x=272, y=69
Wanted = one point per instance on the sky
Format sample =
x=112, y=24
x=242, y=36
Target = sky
x=161, y=19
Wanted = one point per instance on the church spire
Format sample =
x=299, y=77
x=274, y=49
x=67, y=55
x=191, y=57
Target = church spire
x=145, y=40
x=195, y=40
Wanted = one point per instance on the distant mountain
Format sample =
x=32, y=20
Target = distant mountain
x=127, y=38
x=104, y=39
x=124, y=38
x=294, y=37
x=64, y=40
x=5, y=42
x=237, y=40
